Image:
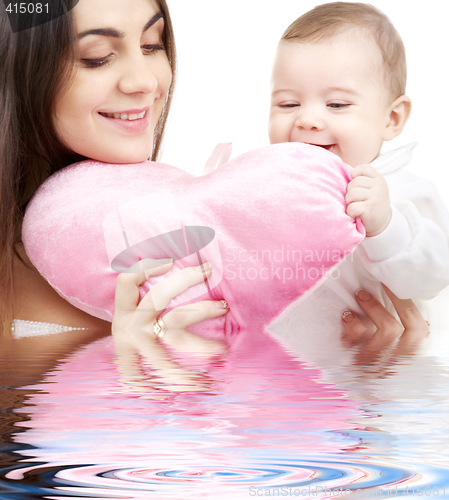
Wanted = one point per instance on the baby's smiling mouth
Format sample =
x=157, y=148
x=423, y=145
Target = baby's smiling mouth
x=328, y=147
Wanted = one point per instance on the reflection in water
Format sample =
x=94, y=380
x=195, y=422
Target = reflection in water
x=266, y=424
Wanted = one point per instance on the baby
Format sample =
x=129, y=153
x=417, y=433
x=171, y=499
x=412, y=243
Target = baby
x=339, y=83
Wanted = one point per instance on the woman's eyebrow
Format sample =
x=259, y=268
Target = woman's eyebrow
x=103, y=32
x=152, y=21
x=118, y=34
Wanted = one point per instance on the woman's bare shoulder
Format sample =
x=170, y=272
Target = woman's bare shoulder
x=26, y=357
x=35, y=300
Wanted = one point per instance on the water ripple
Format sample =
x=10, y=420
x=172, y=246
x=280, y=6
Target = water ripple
x=301, y=478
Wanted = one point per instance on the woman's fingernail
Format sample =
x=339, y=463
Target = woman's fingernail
x=363, y=296
x=222, y=304
x=347, y=316
x=203, y=268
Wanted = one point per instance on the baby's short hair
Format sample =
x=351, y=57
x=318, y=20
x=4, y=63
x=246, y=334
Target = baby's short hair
x=331, y=19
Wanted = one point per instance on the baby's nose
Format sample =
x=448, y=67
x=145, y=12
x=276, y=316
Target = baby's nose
x=308, y=120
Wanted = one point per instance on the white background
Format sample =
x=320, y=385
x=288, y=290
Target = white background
x=225, y=52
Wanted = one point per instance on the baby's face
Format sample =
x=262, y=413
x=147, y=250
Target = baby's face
x=331, y=94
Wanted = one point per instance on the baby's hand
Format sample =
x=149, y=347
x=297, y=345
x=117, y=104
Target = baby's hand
x=367, y=197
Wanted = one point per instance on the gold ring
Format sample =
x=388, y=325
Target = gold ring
x=159, y=328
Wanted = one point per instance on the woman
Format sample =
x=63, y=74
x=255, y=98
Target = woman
x=93, y=83
x=63, y=85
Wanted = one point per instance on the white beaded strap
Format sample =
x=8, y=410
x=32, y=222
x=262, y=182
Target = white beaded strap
x=21, y=328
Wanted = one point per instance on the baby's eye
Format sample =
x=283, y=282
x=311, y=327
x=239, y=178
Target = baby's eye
x=288, y=104
x=338, y=105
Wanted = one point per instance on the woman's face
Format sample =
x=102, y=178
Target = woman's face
x=121, y=81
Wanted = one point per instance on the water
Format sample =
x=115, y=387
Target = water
x=259, y=421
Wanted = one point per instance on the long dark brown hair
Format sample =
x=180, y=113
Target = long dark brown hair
x=35, y=66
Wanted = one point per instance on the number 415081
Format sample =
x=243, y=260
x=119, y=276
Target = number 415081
x=427, y=491
x=27, y=8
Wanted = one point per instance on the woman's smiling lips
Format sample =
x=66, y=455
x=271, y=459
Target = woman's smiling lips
x=132, y=120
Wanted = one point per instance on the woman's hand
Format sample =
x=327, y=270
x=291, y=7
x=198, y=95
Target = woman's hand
x=133, y=330
x=392, y=338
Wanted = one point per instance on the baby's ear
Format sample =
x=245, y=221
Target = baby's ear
x=398, y=114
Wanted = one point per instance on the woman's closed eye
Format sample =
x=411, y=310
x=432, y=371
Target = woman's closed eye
x=104, y=61
x=96, y=63
x=151, y=49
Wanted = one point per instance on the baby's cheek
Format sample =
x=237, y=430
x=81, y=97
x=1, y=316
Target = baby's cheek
x=277, y=130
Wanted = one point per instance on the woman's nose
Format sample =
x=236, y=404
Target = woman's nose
x=139, y=75
x=308, y=119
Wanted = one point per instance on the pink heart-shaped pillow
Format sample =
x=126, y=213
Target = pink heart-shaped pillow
x=272, y=223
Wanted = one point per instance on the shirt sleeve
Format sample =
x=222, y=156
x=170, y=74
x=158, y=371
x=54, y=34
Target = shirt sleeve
x=411, y=256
